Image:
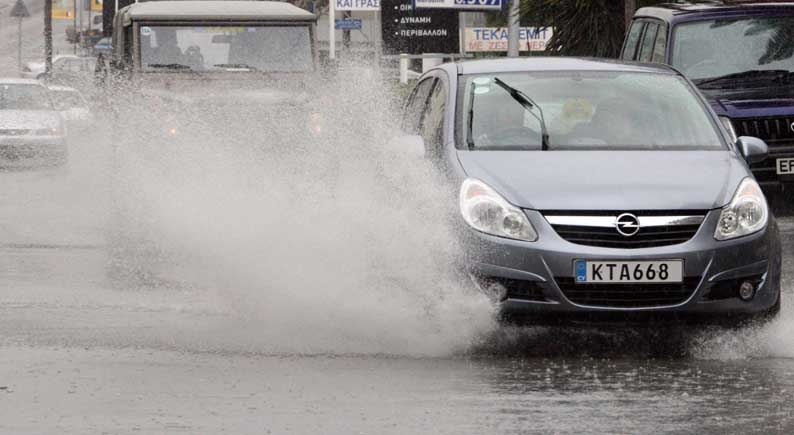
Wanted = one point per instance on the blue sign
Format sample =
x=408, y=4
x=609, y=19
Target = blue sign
x=347, y=24
x=581, y=271
x=461, y=5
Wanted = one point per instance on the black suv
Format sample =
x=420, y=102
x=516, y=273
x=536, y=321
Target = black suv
x=741, y=57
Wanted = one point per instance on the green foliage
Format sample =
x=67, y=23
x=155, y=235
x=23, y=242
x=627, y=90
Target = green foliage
x=581, y=27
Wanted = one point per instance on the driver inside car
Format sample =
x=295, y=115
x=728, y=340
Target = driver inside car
x=168, y=50
x=502, y=123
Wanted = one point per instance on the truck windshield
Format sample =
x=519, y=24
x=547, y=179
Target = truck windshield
x=584, y=110
x=716, y=48
x=225, y=48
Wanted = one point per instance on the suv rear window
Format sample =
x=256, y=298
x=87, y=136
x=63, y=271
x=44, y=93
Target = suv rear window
x=713, y=48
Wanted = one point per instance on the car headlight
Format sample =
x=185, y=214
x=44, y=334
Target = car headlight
x=746, y=214
x=316, y=124
x=726, y=122
x=52, y=131
x=486, y=211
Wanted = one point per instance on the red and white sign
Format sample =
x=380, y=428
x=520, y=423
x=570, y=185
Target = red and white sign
x=479, y=39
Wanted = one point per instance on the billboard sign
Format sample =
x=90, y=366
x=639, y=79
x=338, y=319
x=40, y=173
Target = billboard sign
x=494, y=39
x=357, y=5
x=63, y=9
x=416, y=31
x=347, y=24
x=461, y=5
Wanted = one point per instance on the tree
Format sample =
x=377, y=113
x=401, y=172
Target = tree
x=582, y=27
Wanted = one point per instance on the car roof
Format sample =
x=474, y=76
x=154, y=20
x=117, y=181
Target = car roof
x=538, y=64
x=672, y=11
x=18, y=81
x=215, y=10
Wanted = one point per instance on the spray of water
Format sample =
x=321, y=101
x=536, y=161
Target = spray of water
x=300, y=222
x=763, y=340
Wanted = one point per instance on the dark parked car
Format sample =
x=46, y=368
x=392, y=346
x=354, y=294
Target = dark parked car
x=595, y=188
x=740, y=56
x=104, y=47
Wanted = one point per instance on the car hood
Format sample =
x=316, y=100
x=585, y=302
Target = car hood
x=219, y=88
x=752, y=102
x=609, y=180
x=29, y=119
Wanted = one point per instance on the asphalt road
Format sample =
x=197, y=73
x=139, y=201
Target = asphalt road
x=81, y=352
x=261, y=343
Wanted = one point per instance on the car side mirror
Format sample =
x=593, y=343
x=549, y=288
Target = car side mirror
x=753, y=150
x=412, y=145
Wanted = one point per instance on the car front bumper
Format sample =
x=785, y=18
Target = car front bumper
x=533, y=276
x=27, y=150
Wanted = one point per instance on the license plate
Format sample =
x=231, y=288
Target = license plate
x=614, y=272
x=785, y=166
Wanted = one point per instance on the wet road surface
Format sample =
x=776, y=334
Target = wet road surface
x=80, y=353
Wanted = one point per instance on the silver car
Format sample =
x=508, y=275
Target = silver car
x=31, y=129
x=73, y=106
x=598, y=190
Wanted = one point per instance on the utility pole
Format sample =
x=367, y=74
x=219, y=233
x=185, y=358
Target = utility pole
x=74, y=22
x=19, y=11
x=346, y=32
x=512, y=29
x=48, y=36
x=331, y=29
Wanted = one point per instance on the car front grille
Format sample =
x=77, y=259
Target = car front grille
x=778, y=134
x=14, y=131
x=583, y=230
x=19, y=152
x=628, y=295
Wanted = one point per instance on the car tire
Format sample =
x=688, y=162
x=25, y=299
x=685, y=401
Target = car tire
x=772, y=313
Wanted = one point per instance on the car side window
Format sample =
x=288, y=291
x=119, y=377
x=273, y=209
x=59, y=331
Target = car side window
x=76, y=65
x=88, y=65
x=630, y=47
x=414, y=108
x=432, y=128
x=648, y=39
x=62, y=65
x=660, y=48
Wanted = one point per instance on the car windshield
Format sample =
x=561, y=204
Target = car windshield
x=65, y=100
x=585, y=110
x=24, y=97
x=709, y=49
x=223, y=48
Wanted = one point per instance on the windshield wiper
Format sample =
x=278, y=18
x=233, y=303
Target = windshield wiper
x=469, y=138
x=236, y=65
x=771, y=74
x=168, y=65
x=528, y=104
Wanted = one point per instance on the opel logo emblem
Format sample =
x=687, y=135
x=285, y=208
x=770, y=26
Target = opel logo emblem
x=627, y=224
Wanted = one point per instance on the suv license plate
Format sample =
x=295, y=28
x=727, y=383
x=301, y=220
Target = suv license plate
x=785, y=166
x=627, y=272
